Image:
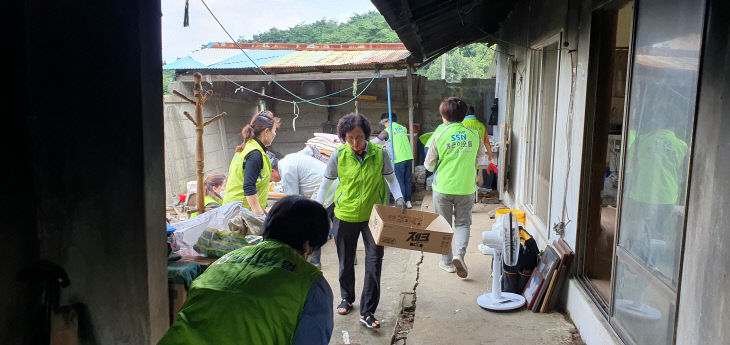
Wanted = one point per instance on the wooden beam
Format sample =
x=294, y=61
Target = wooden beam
x=298, y=76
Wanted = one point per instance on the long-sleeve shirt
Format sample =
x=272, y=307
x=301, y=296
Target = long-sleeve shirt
x=330, y=175
x=315, y=322
x=302, y=174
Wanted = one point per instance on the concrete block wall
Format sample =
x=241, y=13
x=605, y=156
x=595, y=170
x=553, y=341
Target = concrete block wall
x=221, y=138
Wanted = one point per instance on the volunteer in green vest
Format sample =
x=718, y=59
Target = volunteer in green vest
x=471, y=122
x=655, y=176
x=215, y=186
x=250, y=170
x=267, y=293
x=403, y=155
x=453, y=156
x=363, y=169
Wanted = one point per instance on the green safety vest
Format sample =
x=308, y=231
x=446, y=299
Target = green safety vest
x=434, y=134
x=472, y=123
x=423, y=138
x=656, y=167
x=207, y=200
x=234, y=186
x=361, y=184
x=457, y=147
x=252, y=295
x=401, y=145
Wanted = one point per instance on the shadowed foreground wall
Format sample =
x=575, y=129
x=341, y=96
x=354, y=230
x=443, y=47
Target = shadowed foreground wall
x=87, y=152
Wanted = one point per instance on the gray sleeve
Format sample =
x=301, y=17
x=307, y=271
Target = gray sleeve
x=330, y=172
x=432, y=157
x=387, y=163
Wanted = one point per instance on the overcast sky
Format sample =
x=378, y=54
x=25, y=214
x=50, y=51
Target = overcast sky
x=243, y=18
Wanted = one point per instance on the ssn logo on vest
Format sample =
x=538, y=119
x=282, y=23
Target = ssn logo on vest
x=415, y=237
x=458, y=141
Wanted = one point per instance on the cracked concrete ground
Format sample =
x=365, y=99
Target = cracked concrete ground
x=446, y=310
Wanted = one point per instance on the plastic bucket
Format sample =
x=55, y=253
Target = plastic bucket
x=517, y=213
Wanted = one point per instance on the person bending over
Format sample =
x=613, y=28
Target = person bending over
x=267, y=293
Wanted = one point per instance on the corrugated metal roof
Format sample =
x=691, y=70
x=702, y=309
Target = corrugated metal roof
x=429, y=28
x=262, y=57
x=216, y=57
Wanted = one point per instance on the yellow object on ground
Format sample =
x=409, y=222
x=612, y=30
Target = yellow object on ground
x=517, y=213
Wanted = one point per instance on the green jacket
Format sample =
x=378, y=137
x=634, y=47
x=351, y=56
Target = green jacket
x=457, y=148
x=361, y=184
x=472, y=123
x=234, y=186
x=401, y=144
x=252, y=295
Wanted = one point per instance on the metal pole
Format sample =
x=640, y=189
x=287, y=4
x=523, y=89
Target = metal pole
x=409, y=80
x=390, y=120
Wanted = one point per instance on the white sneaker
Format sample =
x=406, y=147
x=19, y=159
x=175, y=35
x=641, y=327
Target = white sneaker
x=408, y=204
x=446, y=267
x=461, y=270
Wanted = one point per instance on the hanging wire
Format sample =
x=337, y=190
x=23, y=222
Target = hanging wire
x=302, y=100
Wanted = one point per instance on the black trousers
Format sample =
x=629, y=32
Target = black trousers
x=346, y=235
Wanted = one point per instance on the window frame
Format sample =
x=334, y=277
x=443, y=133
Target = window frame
x=532, y=125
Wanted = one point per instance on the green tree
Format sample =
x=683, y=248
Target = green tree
x=470, y=61
x=368, y=27
x=167, y=76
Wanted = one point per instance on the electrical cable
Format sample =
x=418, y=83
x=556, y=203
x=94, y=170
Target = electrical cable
x=267, y=75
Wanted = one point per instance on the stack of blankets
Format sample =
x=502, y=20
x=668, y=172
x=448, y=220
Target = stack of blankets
x=322, y=145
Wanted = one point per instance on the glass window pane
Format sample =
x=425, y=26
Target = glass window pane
x=661, y=115
x=640, y=308
x=545, y=142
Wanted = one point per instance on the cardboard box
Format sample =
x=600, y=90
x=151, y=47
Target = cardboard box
x=414, y=230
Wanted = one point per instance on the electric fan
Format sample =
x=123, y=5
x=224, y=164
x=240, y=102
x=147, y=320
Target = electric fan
x=503, y=242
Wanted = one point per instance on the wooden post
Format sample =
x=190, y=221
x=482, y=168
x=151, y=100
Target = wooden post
x=200, y=99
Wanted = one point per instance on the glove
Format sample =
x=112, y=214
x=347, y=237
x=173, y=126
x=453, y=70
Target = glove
x=492, y=169
x=402, y=204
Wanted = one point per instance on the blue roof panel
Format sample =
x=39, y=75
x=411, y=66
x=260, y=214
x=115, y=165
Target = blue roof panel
x=184, y=63
x=261, y=57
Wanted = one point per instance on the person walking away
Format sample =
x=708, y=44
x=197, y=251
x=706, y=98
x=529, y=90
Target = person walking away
x=250, y=171
x=403, y=154
x=363, y=169
x=301, y=174
x=453, y=157
x=471, y=122
x=263, y=294
x=215, y=186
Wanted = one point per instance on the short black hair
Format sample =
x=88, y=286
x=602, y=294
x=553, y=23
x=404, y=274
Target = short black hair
x=349, y=122
x=470, y=109
x=294, y=220
x=384, y=116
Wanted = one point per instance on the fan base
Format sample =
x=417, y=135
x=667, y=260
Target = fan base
x=508, y=301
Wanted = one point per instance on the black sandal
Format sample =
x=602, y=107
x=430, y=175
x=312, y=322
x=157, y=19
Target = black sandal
x=344, y=305
x=369, y=321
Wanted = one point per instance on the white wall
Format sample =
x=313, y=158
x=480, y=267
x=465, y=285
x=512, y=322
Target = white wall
x=572, y=21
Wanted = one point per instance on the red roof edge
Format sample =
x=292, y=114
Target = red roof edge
x=309, y=46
